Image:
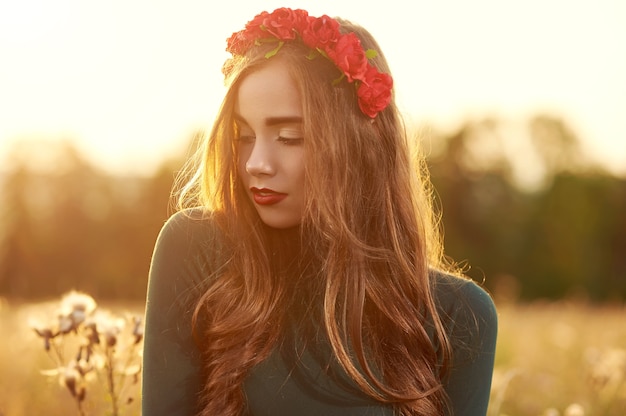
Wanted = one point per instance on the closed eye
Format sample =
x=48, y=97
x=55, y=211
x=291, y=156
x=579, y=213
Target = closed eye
x=291, y=141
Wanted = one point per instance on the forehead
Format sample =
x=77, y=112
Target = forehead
x=268, y=92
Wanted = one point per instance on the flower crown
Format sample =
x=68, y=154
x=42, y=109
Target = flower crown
x=321, y=34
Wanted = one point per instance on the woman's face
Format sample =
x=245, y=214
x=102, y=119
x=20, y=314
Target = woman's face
x=268, y=112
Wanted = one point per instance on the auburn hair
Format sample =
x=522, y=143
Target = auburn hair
x=370, y=230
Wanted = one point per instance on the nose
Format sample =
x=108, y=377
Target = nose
x=260, y=160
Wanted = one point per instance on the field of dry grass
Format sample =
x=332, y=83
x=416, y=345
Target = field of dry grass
x=560, y=359
x=26, y=391
x=553, y=359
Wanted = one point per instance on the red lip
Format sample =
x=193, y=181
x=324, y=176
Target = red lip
x=265, y=196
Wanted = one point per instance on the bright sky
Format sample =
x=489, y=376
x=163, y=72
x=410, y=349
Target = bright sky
x=131, y=80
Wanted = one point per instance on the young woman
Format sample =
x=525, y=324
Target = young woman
x=305, y=276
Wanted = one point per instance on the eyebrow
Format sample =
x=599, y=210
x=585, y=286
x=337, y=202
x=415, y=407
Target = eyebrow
x=273, y=121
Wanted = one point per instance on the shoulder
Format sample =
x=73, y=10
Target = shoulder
x=187, y=235
x=187, y=227
x=467, y=311
x=455, y=294
x=470, y=319
x=188, y=250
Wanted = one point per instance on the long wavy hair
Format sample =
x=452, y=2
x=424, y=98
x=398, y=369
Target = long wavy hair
x=369, y=230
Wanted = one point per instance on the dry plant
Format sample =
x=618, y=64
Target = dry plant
x=560, y=359
x=91, y=345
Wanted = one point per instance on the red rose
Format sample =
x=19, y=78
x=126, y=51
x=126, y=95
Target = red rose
x=243, y=40
x=374, y=92
x=321, y=32
x=349, y=56
x=301, y=21
x=254, y=28
x=282, y=23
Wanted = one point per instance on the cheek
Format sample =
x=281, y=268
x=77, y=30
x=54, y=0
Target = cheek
x=241, y=166
x=297, y=170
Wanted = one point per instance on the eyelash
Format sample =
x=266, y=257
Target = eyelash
x=290, y=142
x=284, y=140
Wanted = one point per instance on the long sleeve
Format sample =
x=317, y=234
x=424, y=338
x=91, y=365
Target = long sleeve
x=171, y=361
x=188, y=252
x=285, y=385
x=471, y=318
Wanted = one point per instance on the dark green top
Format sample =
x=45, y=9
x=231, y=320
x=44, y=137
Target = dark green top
x=188, y=249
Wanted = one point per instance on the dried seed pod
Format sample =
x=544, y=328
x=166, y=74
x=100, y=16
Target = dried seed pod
x=70, y=378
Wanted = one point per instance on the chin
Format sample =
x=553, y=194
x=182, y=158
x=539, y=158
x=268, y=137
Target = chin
x=282, y=225
x=280, y=222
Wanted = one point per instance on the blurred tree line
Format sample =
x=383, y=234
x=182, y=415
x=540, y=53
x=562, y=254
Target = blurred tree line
x=536, y=220
x=65, y=224
x=529, y=215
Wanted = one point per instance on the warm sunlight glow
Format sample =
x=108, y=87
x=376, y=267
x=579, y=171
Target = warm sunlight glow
x=131, y=80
